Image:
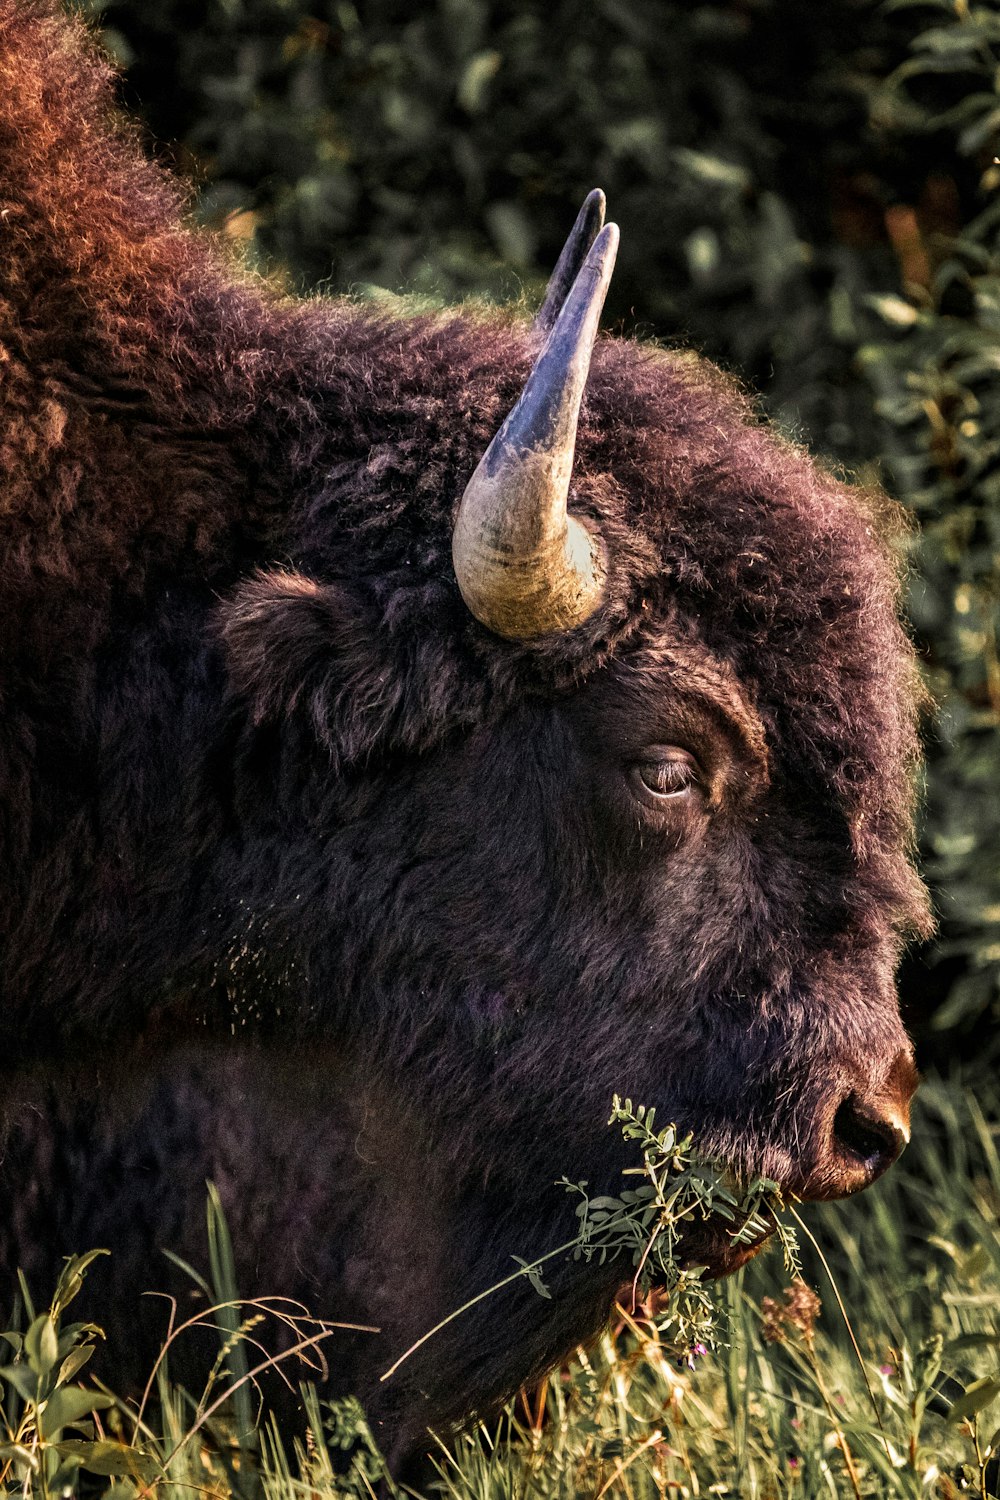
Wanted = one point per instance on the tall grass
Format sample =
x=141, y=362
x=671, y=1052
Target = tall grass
x=793, y=1404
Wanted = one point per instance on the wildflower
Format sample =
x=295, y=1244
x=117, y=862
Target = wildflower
x=772, y=1321
x=797, y=1312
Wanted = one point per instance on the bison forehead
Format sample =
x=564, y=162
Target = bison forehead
x=655, y=690
x=717, y=530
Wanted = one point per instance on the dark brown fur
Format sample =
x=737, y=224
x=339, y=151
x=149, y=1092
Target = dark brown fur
x=259, y=763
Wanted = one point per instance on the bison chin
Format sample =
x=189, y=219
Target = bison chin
x=712, y=1245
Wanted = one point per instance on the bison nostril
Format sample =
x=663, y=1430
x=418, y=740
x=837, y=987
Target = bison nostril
x=872, y=1141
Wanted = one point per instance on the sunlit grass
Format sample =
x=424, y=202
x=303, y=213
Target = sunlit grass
x=783, y=1408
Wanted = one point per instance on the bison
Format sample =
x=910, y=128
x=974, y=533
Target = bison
x=414, y=729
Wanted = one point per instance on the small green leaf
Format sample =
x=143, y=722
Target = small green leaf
x=71, y=1278
x=472, y=86
x=41, y=1346
x=68, y=1404
x=23, y=1379
x=532, y=1273
x=712, y=169
x=978, y=1396
x=74, y=1363
x=112, y=1459
x=893, y=309
x=74, y=1334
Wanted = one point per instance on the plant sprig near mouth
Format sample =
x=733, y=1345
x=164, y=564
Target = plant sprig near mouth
x=679, y=1187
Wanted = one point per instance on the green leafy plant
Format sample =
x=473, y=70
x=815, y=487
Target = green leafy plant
x=680, y=1187
x=51, y=1420
x=646, y=1223
x=56, y=1429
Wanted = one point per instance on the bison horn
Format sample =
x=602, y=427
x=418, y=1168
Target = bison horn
x=589, y=222
x=524, y=565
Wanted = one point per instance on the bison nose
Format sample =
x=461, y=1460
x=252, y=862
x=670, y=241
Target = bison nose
x=865, y=1141
x=869, y=1128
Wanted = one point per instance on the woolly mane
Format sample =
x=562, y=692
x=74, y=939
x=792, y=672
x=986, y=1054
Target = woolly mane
x=168, y=422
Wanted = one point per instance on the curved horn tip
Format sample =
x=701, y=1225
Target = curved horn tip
x=526, y=567
x=571, y=340
x=575, y=251
x=604, y=252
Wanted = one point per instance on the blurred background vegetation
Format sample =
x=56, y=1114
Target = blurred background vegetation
x=810, y=193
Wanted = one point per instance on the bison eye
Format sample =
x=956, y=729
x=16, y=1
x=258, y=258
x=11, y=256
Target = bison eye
x=669, y=772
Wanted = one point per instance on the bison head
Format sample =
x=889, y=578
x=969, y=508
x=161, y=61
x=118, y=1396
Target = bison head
x=628, y=809
x=501, y=718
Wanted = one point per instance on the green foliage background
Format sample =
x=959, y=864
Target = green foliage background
x=807, y=192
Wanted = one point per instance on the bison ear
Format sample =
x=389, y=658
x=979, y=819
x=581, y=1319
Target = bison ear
x=294, y=648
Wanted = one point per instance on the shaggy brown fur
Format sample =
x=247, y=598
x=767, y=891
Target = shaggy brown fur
x=258, y=760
